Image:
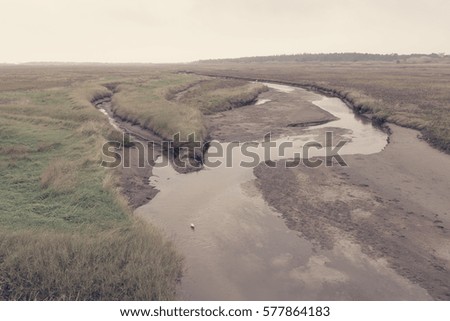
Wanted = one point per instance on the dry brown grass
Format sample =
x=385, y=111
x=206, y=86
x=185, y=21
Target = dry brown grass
x=215, y=95
x=14, y=150
x=145, y=104
x=45, y=147
x=91, y=128
x=121, y=264
x=59, y=176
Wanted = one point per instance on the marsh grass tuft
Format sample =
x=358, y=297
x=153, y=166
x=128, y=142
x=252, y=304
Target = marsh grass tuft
x=59, y=176
x=216, y=95
x=132, y=262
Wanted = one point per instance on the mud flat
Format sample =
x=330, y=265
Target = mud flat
x=274, y=112
x=250, y=240
x=393, y=204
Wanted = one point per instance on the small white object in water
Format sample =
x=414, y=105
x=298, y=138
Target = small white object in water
x=192, y=226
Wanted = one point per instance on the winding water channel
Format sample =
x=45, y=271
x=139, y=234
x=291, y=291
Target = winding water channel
x=241, y=248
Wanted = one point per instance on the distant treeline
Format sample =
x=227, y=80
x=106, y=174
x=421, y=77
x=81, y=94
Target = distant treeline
x=329, y=57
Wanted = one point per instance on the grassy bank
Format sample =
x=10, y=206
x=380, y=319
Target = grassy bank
x=172, y=103
x=144, y=103
x=66, y=232
x=413, y=95
x=128, y=262
x=216, y=95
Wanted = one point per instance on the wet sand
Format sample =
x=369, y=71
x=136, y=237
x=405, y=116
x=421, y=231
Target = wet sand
x=394, y=205
x=274, y=112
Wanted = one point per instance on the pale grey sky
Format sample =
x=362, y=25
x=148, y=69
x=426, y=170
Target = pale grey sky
x=186, y=30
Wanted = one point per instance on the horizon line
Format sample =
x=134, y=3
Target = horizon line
x=55, y=62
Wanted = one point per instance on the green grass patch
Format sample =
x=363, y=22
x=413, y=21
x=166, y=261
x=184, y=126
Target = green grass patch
x=66, y=232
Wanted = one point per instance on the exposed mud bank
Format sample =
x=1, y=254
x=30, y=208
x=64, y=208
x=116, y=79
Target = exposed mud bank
x=280, y=114
x=393, y=204
x=134, y=178
x=357, y=108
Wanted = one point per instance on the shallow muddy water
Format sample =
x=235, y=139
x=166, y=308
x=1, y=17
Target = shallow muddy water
x=241, y=248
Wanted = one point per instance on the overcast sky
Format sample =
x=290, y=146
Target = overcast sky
x=187, y=30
